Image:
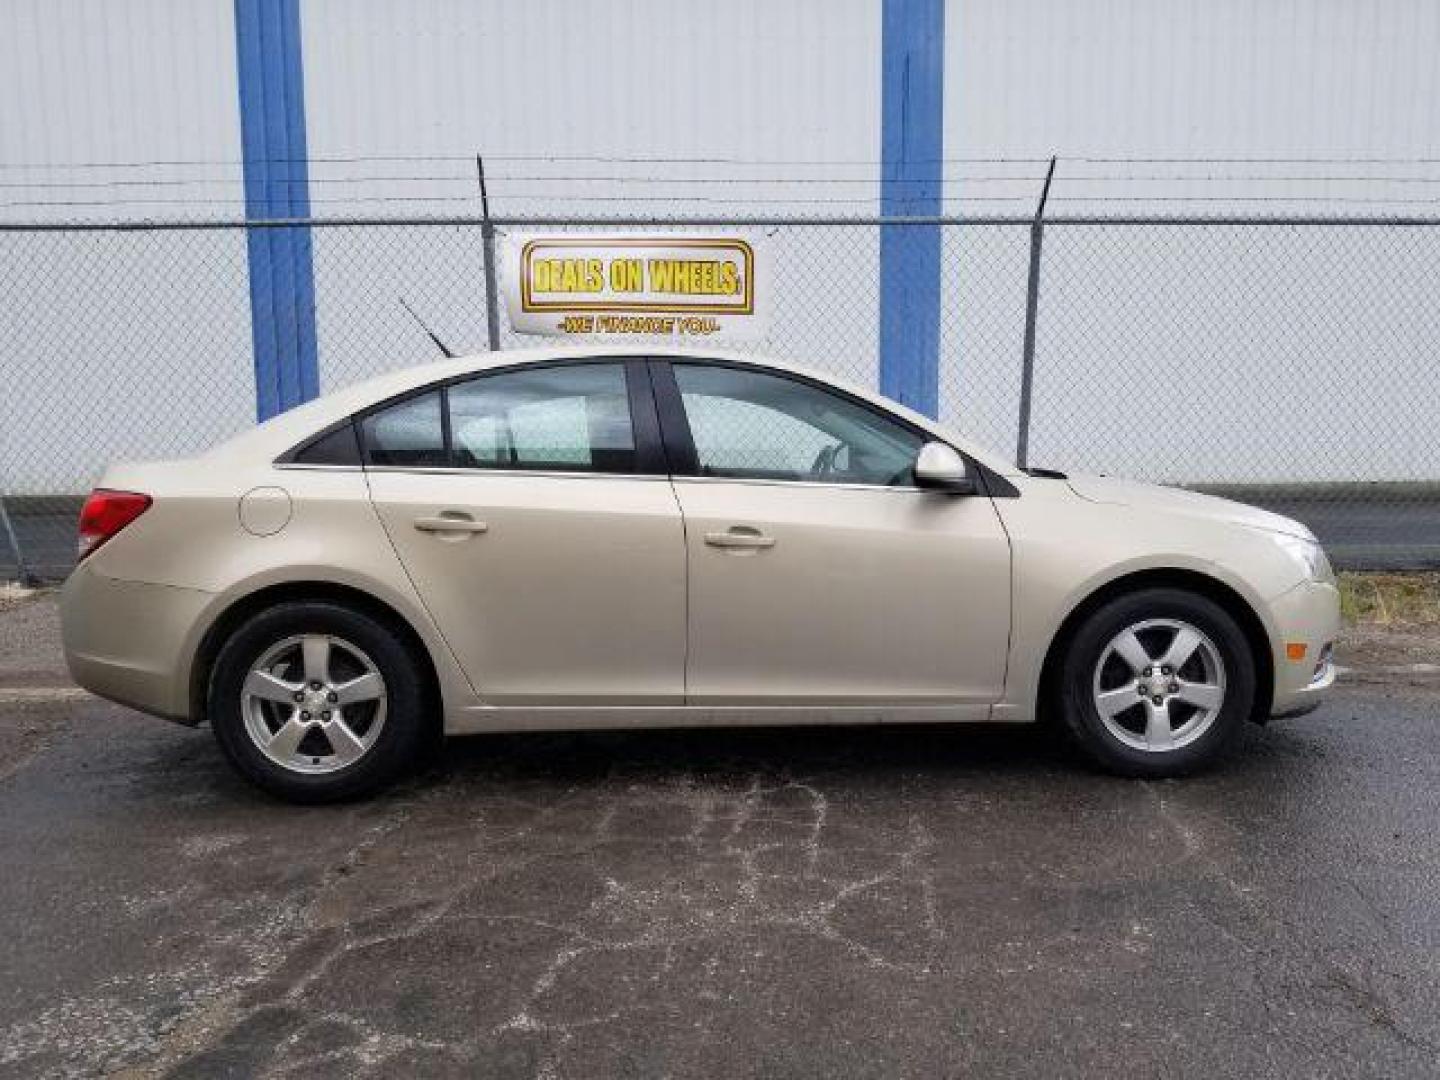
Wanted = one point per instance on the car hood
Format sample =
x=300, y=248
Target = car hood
x=1105, y=489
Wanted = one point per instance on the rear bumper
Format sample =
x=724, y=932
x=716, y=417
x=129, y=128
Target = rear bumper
x=1307, y=615
x=127, y=640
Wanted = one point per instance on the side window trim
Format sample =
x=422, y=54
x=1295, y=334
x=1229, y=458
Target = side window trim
x=680, y=451
x=651, y=459
x=447, y=435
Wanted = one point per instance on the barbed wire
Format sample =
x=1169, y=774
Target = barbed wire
x=855, y=201
x=469, y=159
x=504, y=178
x=717, y=180
x=959, y=177
x=619, y=159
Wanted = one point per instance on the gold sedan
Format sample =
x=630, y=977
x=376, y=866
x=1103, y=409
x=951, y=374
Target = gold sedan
x=632, y=537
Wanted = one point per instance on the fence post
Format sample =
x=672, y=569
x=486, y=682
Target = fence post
x=487, y=240
x=1032, y=308
x=22, y=572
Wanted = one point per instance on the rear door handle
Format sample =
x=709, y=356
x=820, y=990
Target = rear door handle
x=450, y=521
x=740, y=536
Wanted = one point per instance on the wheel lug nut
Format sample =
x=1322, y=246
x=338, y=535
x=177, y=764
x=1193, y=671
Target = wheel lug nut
x=1149, y=672
x=299, y=696
x=304, y=715
x=1158, y=700
x=332, y=697
x=325, y=716
x=1174, y=688
x=314, y=686
x=1141, y=690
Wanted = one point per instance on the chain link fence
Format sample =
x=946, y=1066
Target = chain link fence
x=1284, y=362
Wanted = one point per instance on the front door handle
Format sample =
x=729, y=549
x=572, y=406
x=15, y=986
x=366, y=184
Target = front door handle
x=740, y=536
x=450, y=521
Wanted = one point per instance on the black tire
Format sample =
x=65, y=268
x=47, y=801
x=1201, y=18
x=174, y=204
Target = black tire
x=1076, y=689
x=407, y=705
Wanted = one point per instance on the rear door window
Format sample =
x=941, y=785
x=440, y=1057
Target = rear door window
x=558, y=418
x=408, y=434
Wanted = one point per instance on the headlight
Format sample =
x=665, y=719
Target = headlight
x=1308, y=554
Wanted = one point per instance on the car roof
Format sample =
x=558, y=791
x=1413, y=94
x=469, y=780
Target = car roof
x=281, y=433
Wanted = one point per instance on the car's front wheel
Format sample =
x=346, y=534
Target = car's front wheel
x=1157, y=683
x=316, y=702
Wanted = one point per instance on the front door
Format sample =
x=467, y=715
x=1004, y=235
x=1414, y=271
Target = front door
x=531, y=510
x=819, y=573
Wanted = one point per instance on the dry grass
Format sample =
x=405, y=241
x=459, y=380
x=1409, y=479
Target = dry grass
x=1390, y=599
x=12, y=594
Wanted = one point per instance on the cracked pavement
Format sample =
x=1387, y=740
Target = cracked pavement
x=892, y=902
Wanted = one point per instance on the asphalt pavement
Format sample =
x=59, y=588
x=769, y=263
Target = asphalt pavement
x=887, y=902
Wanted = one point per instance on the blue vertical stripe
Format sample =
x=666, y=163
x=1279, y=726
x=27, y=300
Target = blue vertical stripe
x=272, y=138
x=911, y=178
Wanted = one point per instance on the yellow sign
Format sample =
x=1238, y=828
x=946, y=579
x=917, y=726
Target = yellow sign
x=650, y=286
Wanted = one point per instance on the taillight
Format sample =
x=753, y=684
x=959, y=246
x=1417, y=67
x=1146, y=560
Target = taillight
x=105, y=513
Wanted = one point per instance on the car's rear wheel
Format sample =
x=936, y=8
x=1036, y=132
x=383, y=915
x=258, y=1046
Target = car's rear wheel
x=317, y=702
x=1157, y=683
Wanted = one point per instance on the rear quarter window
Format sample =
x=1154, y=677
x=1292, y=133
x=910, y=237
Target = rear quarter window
x=338, y=447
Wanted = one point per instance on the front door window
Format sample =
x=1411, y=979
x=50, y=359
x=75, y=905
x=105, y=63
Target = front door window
x=751, y=425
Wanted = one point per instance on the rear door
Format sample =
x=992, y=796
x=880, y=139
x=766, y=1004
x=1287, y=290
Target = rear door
x=531, y=508
x=819, y=574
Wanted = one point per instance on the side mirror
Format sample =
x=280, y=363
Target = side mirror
x=941, y=468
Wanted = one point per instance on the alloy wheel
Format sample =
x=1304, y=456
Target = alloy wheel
x=1159, y=685
x=314, y=703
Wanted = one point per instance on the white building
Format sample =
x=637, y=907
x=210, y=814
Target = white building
x=1242, y=343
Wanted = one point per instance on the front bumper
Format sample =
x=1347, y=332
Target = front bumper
x=1309, y=616
x=128, y=641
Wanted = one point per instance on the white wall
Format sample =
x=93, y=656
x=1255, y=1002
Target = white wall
x=118, y=108
x=1158, y=78
x=114, y=346
x=635, y=107
x=1199, y=354
x=140, y=345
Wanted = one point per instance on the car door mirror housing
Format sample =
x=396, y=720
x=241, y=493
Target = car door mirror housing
x=939, y=467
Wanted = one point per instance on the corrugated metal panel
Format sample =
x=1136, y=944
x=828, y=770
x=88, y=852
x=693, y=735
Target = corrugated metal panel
x=572, y=103
x=1188, y=79
x=634, y=107
x=761, y=87
x=1117, y=77
x=129, y=110
x=119, y=109
x=1217, y=331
